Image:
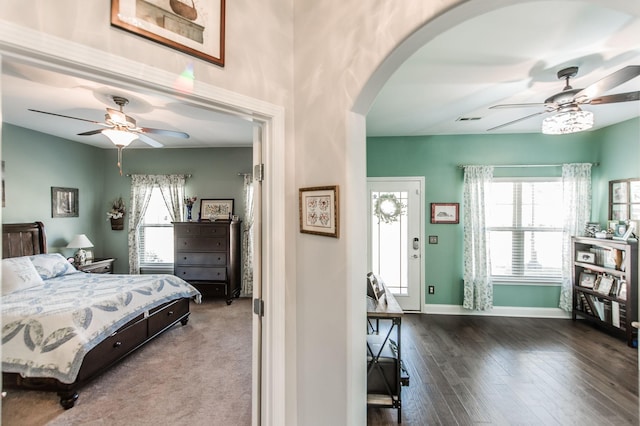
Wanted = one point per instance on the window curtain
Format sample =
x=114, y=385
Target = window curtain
x=247, y=238
x=576, y=192
x=478, y=288
x=172, y=189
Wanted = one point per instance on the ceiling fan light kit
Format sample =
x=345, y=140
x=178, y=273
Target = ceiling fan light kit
x=567, y=122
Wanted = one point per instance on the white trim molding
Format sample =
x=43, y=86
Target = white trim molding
x=498, y=311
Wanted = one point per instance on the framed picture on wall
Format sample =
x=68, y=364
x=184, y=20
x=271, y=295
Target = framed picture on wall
x=445, y=212
x=624, y=199
x=64, y=202
x=319, y=213
x=196, y=27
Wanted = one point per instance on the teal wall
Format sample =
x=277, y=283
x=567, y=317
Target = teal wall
x=437, y=158
x=34, y=162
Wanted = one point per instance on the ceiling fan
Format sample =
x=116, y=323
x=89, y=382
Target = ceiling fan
x=121, y=129
x=569, y=116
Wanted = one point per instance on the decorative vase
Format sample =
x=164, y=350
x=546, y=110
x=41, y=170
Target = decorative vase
x=117, y=224
x=189, y=213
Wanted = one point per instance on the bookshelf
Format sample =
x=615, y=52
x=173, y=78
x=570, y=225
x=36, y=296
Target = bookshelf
x=605, y=284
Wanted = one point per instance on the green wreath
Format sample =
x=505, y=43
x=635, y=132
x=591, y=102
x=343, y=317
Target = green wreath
x=388, y=208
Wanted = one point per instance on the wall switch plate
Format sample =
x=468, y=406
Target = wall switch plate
x=432, y=289
x=433, y=239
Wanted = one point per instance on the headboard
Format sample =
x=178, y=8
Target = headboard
x=23, y=239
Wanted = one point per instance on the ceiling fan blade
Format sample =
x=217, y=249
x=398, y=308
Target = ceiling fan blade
x=609, y=82
x=67, y=116
x=515, y=121
x=165, y=132
x=90, y=132
x=619, y=97
x=538, y=105
x=146, y=139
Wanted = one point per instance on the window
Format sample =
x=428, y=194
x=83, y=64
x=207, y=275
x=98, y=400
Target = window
x=525, y=230
x=156, y=234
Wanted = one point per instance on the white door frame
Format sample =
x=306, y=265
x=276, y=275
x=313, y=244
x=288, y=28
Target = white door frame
x=46, y=51
x=421, y=182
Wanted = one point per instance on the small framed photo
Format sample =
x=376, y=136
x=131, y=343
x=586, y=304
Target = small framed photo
x=64, y=202
x=587, y=280
x=445, y=212
x=319, y=212
x=586, y=257
x=606, y=283
x=216, y=209
x=619, y=191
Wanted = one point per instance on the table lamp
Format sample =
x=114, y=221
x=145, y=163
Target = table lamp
x=80, y=241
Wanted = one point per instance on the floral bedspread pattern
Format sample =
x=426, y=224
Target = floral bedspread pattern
x=47, y=330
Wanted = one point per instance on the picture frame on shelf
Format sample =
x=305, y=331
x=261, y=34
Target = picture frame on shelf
x=587, y=280
x=585, y=257
x=605, y=285
x=64, y=202
x=445, y=213
x=622, y=289
x=199, y=32
x=319, y=211
x=216, y=209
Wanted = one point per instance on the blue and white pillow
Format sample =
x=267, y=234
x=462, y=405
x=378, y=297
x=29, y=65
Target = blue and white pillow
x=52, y=265
x=18, y=273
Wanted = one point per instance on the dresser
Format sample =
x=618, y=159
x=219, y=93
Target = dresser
x=207, y=255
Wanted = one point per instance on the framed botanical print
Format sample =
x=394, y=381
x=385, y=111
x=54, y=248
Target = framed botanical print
x=319, y=211
x=216, y=209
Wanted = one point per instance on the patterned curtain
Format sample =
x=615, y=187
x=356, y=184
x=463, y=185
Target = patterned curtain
x=478, y=288
x=247, y=238
x=576, y=192
x=172, y=189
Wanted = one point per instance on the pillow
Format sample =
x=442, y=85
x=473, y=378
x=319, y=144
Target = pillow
x=18, y=273
x=52, y=265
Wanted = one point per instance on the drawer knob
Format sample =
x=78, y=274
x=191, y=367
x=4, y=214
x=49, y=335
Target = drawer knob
x=170, y=313
x=116, y=345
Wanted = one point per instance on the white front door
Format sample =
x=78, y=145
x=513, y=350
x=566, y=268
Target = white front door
x=396, y=213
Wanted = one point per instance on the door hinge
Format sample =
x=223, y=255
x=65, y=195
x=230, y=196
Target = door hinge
x=258, y=307
x=258, y=172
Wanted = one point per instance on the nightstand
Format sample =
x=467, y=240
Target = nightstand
x=99, y=265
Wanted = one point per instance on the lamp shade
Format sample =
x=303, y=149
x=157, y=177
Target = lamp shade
x=80, y=241
x=120, y=137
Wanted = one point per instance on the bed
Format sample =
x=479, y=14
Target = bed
x=63, y=328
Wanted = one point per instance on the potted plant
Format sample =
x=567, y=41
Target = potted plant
x=116, y=214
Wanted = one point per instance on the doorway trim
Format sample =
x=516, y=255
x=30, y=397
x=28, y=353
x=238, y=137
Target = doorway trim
x=50, y=52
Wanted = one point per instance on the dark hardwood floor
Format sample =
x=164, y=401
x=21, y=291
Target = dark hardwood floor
x=468, y=370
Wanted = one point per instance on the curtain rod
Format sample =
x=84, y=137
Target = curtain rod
x=131, y=174
x=462, y=166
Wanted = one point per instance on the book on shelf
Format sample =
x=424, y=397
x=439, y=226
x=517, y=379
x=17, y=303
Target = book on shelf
x=615, y=314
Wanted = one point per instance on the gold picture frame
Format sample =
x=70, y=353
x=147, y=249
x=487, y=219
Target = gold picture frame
x=196, y=27
x=319, y=211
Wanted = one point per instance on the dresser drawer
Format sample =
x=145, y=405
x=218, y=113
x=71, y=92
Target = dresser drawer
x=195, y=273
x=208, y=259
x=201, y=244
x=214, y=231
x=164, y=315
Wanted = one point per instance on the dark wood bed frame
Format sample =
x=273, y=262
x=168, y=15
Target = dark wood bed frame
x=24, y=239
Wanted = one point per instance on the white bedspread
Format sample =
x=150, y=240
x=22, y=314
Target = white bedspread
x=47, y=330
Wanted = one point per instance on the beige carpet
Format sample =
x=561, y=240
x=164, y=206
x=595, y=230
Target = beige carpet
x=199, y=374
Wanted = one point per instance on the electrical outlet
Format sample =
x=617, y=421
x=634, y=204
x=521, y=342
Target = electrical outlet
x=432, y=289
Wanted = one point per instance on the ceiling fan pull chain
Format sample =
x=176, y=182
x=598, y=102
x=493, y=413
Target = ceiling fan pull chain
x=120, y=158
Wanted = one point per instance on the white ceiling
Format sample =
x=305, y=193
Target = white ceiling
x=510, y=55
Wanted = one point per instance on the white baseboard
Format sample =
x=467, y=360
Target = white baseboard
x=498, y=311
